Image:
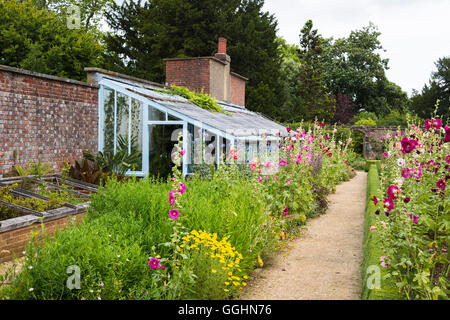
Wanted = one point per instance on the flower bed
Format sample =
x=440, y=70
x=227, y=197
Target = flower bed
x=412, y=211
x=188, y=239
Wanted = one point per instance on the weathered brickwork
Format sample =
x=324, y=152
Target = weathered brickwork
x=45, y=118
x=13, y=243
x=191, y=73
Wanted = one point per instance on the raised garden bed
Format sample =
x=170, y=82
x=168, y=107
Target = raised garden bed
x=31, y=199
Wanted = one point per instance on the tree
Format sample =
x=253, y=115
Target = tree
x=311, y=89
x=438, y=88
x=39, y=40
x=354, y=67
x=146, y=33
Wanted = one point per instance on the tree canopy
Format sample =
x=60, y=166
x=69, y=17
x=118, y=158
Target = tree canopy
x=38, y=39
x=438, y=88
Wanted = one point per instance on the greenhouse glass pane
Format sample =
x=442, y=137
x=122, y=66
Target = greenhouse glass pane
x=136, y=131
x=156, y=115
x=108, y=124
x=122, y=117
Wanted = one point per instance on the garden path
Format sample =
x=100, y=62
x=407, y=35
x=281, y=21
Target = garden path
x=324, y=261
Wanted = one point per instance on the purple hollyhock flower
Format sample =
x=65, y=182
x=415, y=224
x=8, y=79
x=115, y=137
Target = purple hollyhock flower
x=441, y=184
x=406, y=199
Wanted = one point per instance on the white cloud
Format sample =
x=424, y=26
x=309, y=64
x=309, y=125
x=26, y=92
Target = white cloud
x=414, y=33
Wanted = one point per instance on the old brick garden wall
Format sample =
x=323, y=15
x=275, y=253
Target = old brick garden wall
x=45, y=118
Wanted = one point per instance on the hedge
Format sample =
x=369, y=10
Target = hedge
x=372, y=248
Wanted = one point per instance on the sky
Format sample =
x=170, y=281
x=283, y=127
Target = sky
x=414, y=33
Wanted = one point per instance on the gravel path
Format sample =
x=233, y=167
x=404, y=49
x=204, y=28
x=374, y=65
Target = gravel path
x=324, y=262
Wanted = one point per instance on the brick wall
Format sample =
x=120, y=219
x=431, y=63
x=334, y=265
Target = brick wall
x=192, y=73
x=237, y=94
x=13, y=243
x=45, y=118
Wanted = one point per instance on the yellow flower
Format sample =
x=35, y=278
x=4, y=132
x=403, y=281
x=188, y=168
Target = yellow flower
x=227, y=283
x=213, y=270
x=226, y=290
x=236, y=283
x=260, y=262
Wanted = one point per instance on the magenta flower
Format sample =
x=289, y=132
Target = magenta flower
x=163, y=267
x=182, y=188
x=282, y=163
x=441, y=184
x=414, y=218
x=182, y=152
x=406, y=199
x=288, y=182
x=406, y=173
x=259, y=179
x=436, y=124
x=388, y=204
x=447, y=159
x=154, y=263
x=375, y=200
x=447, y=134
x=408, y=145
x=393, y=192
x=427, y=124
x=285, y=211
x=171, y=197
x=174, y=214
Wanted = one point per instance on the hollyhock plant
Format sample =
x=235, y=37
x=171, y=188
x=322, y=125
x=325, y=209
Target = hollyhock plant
x=388, y=204
x=171, y=197
x=441, y=184
x=182, y=188
x=393, y=192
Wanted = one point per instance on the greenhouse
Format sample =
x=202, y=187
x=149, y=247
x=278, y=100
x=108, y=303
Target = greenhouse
x=142, y=118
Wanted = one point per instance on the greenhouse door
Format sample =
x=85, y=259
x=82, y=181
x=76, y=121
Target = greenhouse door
x=161, y=144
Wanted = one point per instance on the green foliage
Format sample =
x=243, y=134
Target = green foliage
x=39, y=40
x=438, y=88
x=201, y=99
x=144, y=33
x=354, y=67
x=315, y=99
x=366, y=122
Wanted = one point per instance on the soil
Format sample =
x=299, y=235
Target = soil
x=324, y=261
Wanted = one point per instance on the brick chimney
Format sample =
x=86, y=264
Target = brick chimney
x=210, y=74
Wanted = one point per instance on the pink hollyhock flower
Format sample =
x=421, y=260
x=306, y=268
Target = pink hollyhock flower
x=447, y=159
x=393, y=192
x=259, y=179
x=182, y=188
x=447, y=134
x=182, y=152
x=406, y=173
x=282, y=163
x=288, y=129
x=154, y=263
x=288, y=182
x=274, y=178
x=322, y=124
x=427, y=124
x=174, y=214
x=253, y=166
x=414, y=218
x=384, y=224
x=171, y=197
x=385, y=154
x=163, y=267
x=436, y=123
x=372, y=228
x=441, y=184
x=408, y=145
x=388, y=204
x=285, y=211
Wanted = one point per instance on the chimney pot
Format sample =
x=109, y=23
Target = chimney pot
x=222, y=45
